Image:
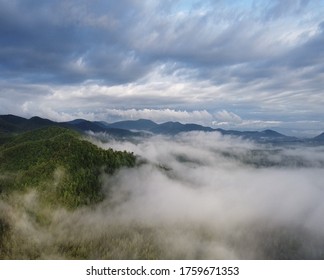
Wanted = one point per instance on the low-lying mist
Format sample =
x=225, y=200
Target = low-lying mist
x=193, y=196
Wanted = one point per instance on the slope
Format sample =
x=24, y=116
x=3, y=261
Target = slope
x=58, y=163
x=319, y=138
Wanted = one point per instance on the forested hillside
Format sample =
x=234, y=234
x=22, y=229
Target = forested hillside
x=46, y=175
x=59, y=164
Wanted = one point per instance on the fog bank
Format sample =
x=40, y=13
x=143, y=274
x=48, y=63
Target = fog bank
x=192, y=196
x=218, y=197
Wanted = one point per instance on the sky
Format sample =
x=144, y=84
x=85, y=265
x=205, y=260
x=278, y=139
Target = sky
x=245, y=65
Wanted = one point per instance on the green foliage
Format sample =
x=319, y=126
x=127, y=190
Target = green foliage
x=62, y=166
x=4, y=138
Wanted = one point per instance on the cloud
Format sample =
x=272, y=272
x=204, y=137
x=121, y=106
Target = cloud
x=188, y=105
x=223, y=189
x=225, y=117
x=249, y=58
x=279, y=9
x=230, y=120
x=121, y=42
x=162, y=115
x=46, y=46
x=194, y=196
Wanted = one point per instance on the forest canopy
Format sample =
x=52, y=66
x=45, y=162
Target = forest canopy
x=59, y=163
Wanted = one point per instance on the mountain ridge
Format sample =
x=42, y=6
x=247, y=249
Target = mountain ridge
x=132, y=128
x=319, y=137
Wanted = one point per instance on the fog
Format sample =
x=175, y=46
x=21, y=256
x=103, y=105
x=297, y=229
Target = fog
x=193, y=196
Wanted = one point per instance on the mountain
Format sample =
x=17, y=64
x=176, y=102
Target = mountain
x=319, y=138
x=12, y=119
x=15, y=124
x=130, y=128
x=6, y=126
x=173, y=128
x=271, y=133
x=11, y=123
x=61, y=166
x=37, y=121
x=170, y=128
x=141, y=124
x=265, y=135
x=134, y=128
x=84, y=125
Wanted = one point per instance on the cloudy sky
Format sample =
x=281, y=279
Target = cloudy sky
x=243, y=65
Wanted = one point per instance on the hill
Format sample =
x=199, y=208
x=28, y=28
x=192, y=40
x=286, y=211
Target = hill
x=84, y=125
x=319, y=138
x=134, y=128
x=11, y=123
x=173, y=128
x=14, y=124
x=141, y=124
x=64, y=168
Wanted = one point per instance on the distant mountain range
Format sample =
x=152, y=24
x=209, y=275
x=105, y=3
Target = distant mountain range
x=133, y=128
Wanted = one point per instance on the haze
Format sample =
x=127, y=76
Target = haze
x=192, y=196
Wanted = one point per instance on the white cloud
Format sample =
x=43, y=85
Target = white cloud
x=213, y=188
x=162, y=115
x=213, y=57
x=225, y=117
x=230, y=120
